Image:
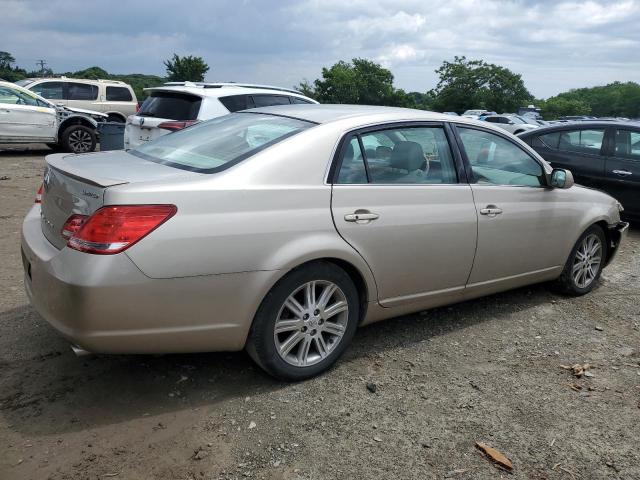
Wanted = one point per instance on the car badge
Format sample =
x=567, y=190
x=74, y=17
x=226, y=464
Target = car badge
x=141, y=121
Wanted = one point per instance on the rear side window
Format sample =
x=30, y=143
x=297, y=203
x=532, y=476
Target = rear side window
x=235, y=103
x=81, y=91
x=412, y=155
x=50, y=90
x=269, y=100
x=171, y=105
x=299, y=100
x=581, y=141
x=216, y=144
x=118, y=94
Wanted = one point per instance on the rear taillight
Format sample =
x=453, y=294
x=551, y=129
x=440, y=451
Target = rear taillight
x=39, y=194
x=115, y=228
x=72, y=225
x=173, y=126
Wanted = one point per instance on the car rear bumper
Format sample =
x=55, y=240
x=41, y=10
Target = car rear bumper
x=105, y=304
x=617, y=233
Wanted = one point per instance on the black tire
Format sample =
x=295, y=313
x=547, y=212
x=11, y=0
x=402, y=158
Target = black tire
x=78, y=139
x=54, y=146
x=261, y=344
x=566, y=283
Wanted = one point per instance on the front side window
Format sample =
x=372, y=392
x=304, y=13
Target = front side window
x=412, y=155
x=581, y=141
x=628, y=144
x=11, y=96
x=549, y=140
x=50, y=90
x=118, y=94
x=498, y=161
x=221, y=142
x=81, y=91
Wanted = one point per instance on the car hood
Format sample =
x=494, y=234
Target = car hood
x=87, y=112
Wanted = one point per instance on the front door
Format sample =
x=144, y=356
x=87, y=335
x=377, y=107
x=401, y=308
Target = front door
x=25, y=118
x=524, y=228
x=623, y=169
x=397, y=201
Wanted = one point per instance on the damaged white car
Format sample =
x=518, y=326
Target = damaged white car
x=28, y=118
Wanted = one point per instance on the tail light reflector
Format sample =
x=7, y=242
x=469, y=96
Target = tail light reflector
x=174, y=126
x=115, y=228
x=39, y=194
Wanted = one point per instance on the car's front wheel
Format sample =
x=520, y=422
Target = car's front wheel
x=585, y=263
x=305, y=322
x=78, y=139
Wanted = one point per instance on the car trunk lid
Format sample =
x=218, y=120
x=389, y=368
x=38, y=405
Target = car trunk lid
x=76, y=184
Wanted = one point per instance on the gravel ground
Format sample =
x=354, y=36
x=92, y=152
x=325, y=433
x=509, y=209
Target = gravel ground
x=481, y=371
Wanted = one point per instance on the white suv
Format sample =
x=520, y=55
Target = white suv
x=112, y=97
x=177, y=105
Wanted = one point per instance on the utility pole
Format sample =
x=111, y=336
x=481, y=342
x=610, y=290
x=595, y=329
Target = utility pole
x=42, y=63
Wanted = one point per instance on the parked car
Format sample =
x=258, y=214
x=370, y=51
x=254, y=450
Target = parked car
x=177, y=105
x=28, y=118
x=511, y=123
x=116, y=99
x=601, y=154
x=473, y=114
x=282, y=229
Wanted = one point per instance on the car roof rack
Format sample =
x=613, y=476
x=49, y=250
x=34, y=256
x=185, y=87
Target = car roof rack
x=230, y=84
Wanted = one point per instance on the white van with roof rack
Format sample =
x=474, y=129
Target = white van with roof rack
x=176, y=105
x=112, y=97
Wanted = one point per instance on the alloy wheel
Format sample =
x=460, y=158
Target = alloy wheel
x=311, y=323
x=80, y=141
x=587, y=261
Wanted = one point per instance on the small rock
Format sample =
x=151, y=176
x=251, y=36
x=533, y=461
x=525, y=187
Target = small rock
x=372, y=387
x=5, y=177
x=377, y=439
x=599, y=328
x=252, y=424
x=588, y=374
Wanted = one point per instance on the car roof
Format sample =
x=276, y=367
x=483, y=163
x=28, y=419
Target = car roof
x=77, y=80
x=556, y=127
x=203, y=89
x=327, y=113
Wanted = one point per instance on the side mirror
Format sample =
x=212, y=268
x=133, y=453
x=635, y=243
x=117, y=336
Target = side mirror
x=561, y=178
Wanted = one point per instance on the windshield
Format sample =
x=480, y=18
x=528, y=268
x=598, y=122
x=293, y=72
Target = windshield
x=214, y=145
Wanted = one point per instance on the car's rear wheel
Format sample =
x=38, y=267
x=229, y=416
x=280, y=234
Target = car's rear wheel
x=584, y=265
x=305, y=322
x=78, y=139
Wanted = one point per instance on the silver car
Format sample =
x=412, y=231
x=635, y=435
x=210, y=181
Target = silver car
x=282, y=229
x=512, y=123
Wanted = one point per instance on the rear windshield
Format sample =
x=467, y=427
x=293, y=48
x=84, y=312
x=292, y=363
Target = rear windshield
x=170, y=105
x=217, y=144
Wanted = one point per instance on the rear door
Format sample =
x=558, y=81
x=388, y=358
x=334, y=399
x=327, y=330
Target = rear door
x=623, y=168
x=25, y=118
x=398, y=200
x=577, y=149
x=82, y=95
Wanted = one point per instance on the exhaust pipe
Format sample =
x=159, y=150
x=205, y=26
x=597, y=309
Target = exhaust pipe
x=80, y=352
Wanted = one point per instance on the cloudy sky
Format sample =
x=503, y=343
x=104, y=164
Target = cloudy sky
x=555, y=45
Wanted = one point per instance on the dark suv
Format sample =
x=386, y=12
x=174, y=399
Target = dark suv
x=600, y=154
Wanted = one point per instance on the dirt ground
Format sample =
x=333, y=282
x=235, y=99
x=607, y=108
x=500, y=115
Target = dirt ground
x=482, y=371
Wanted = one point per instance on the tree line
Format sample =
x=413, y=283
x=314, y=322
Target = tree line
x=462, y=84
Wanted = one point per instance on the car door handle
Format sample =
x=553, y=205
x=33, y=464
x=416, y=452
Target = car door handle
x=490, y=211
x=622, y=173
x=361, y=216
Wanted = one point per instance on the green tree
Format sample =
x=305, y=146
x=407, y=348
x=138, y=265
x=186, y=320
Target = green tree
x=7, y=70
x=465, y=84
x=555, y=107
x=188, y=68
x=360, y=82
x=616, y=99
